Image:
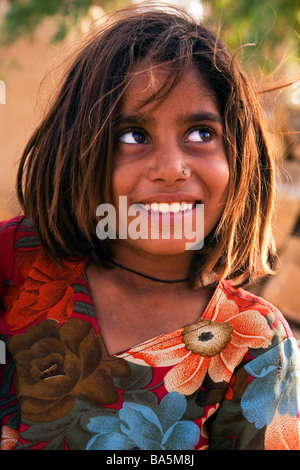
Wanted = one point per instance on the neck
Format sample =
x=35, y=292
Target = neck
x=146, y=276
x=166, y=268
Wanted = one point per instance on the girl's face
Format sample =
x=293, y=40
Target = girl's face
x=155, y=143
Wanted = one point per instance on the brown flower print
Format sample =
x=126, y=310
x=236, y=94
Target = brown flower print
x=57, y=364
x=207, y=338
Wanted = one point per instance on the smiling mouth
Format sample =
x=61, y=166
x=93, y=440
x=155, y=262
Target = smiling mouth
x=165, y=207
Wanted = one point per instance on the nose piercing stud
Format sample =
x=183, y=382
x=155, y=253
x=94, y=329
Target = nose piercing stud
x=184, y=171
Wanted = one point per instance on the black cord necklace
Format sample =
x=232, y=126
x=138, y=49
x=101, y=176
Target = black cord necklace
x=173, y=281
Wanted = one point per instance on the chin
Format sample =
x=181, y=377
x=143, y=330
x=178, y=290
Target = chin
x=166, y=247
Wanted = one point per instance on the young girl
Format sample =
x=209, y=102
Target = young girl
x=146, y=342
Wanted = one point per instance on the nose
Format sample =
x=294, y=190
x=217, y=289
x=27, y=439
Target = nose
x=168, y=164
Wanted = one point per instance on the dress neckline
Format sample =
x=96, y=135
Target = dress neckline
x=207, y=314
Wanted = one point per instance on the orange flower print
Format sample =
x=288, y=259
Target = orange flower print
x=283, y=433
x=47, y=290
x=9, y=438
x=25, y=259
x=215, y=346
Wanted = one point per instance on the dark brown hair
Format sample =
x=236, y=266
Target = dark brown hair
x=65, y=170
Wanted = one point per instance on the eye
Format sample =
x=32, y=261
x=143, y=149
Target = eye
x=133, y=137
x=200, y=135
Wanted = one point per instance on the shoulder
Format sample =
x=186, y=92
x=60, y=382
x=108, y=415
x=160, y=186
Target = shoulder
x=249, y=302
x=16, y=235
x=14, y=229
x=8, y=230
x=18, y=243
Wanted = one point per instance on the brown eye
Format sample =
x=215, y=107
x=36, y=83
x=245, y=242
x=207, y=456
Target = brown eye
x=200, y=135
x=133, y=137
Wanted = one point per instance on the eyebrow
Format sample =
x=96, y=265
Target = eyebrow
x=142, y=119
x=134, y=119
x=201, y=116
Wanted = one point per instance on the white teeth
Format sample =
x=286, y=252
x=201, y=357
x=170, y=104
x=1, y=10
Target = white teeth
x=175, y=207
x=165, y=207
x=154, y=206
x=183, y=206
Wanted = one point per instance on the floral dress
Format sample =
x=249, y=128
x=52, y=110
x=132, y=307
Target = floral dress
x=228, y=381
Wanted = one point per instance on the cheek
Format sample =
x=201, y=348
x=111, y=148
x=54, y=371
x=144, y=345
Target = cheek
x=122, y=185
x=224, y=177
x=119, y=183
x=217, y=180
x=126, y=178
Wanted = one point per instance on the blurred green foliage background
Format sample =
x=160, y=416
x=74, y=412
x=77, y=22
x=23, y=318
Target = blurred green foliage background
x=273, y=25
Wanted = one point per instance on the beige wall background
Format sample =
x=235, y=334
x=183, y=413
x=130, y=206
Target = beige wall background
x=30, y=70
x=26, y=64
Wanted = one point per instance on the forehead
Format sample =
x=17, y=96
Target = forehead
x=149, y=89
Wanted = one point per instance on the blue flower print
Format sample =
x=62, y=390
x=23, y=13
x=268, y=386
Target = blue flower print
x=275, y=386
x=138, y=426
